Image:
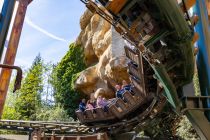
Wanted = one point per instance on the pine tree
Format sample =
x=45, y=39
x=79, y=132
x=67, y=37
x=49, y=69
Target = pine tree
x=29, y=98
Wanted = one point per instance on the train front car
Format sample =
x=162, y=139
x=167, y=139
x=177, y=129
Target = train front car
x=160, y=30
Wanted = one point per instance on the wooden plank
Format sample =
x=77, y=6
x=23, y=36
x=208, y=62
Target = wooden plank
x=122, y=104
x=116, y=5
x=80, y=115
x=134, y=71
x=12, y=50
x=100, y=112
x=98, y=136
x=129, y=98
x=139, y=86
x=208, y=8
x=132, y=55
x=89, y=113
x=113, y=108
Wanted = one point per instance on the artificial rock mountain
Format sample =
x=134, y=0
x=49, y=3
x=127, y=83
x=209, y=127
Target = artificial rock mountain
x=104, y=55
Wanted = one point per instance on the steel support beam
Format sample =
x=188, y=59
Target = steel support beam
x=12, y=50
x=203, y=57
x=200, y=123
x=194, y=109
x=5, y=19
x=195, y=103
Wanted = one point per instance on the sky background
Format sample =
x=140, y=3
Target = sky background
x=50, y=26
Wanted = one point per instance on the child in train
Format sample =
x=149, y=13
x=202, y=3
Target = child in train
x=126, y=86
x=119, y=91
x=102, y=102
x=90, y=105
x=82, y=105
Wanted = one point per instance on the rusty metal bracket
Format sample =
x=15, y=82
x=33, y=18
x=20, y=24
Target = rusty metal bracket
x=18, y=76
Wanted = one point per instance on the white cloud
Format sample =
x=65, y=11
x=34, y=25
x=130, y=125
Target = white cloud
x=36, y=27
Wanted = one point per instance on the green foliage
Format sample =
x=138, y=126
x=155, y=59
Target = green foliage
x=196, y=84
x=186, y=131
x=52, y=113
x=9, y=112
x=74, y=78
x=32, y=99
x=64, y=76
x=29, y=98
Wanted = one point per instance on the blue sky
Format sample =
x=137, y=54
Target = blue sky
x=50, y=26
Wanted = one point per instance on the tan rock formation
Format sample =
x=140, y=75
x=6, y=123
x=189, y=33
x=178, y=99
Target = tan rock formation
x=104, y=53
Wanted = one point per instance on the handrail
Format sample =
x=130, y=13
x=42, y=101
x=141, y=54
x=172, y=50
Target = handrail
x=18, y=79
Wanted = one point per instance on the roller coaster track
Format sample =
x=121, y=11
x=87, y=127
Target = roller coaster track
x=75, y=128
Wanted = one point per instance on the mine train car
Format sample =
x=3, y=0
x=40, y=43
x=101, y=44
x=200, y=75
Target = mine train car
x=162, y=58
x=135, y=101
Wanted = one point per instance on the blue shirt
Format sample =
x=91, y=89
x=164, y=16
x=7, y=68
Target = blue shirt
x=119, y=93
x=127, y=87
x=82, y=106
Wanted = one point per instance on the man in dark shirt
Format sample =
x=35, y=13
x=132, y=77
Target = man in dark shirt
x=119, y=91
x=82, y=105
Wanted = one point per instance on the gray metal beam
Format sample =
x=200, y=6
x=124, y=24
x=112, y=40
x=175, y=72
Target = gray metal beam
x=203, y=57
x=193, y=107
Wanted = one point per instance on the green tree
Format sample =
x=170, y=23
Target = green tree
x=47, y=93
x=9, y=109
x=64, y=76
x=29, y=96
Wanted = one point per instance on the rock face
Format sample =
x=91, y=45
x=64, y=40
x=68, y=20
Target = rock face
x=104, y=56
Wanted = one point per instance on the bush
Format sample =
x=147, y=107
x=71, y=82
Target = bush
x=55, y=113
